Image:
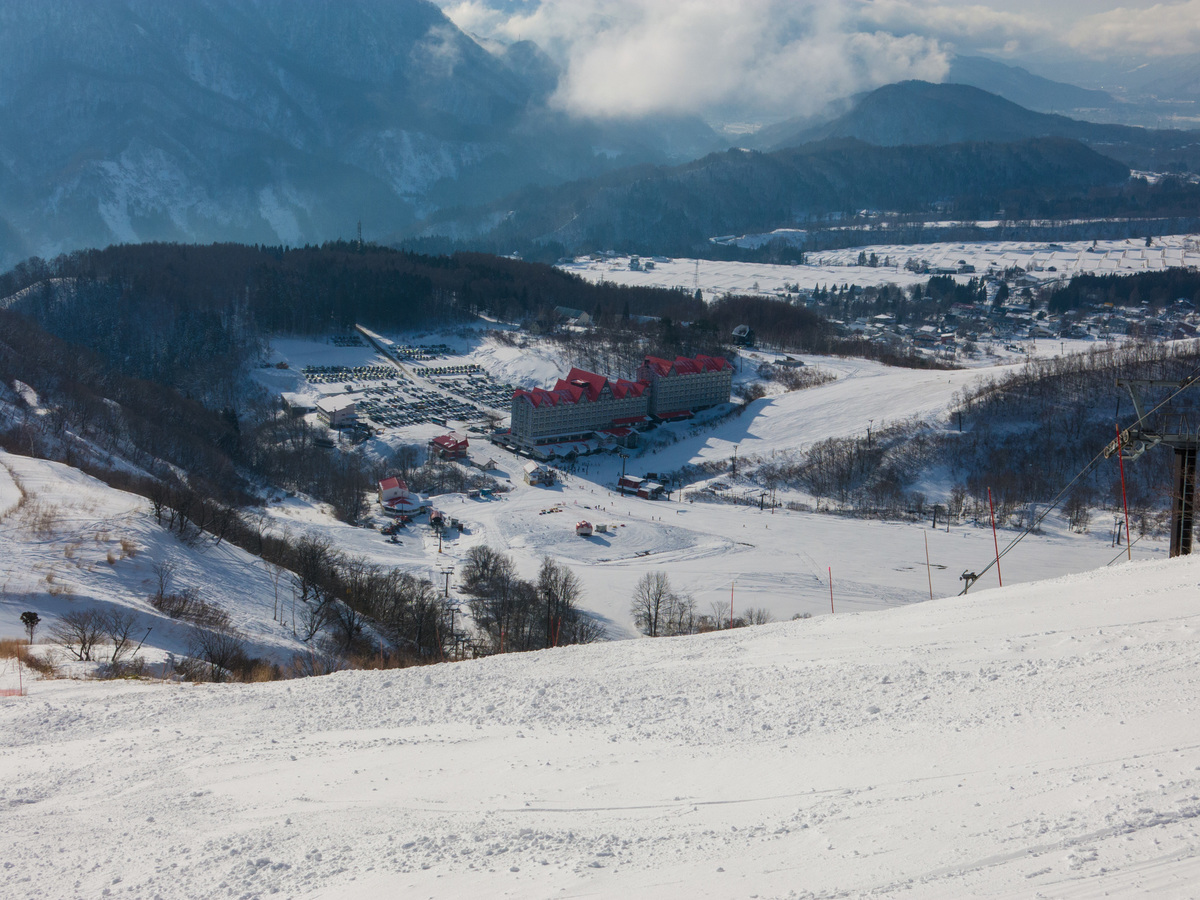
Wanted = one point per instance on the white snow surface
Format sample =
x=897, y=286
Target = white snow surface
x=1034, y=741
x=76, y=544
x=825, y=268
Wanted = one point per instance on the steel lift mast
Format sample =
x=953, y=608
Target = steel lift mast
x=1174, y=430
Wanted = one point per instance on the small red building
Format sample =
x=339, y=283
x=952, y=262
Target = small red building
x=449, y=446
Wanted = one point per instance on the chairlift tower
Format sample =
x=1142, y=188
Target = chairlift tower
x=1169, y=429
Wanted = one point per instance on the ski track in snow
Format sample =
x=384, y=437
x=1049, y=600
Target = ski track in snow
x=1017, y=741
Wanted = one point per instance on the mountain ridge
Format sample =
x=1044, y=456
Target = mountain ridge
x=272, y=122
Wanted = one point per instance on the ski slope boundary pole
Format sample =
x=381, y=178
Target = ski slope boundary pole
x=831, y=588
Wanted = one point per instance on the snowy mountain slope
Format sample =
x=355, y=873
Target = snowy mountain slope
x=77, y=544
x=1034, y=741
x=272, y=122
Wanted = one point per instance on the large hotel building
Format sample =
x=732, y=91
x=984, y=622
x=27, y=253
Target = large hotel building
x=585, y=405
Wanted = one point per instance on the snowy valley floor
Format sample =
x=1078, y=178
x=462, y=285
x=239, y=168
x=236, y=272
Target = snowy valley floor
x=1039, y=740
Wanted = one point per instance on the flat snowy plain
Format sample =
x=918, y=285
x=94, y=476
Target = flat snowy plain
x=1035, y=741
x=1043, y=260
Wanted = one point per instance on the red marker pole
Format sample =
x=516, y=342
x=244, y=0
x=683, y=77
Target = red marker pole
x=831, y=588
x=1124, y=497
x=995, y=540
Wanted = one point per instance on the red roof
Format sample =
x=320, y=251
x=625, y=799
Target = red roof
x=617, y=432
x=451, y=442
x=623, y=389
x=629, y=420
x=578, y=385
x=661, y=366
x=392, y=483
x=684, y=365
x=675, y=414
x=592, y=383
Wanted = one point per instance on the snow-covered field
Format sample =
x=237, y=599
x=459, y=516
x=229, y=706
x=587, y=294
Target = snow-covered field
x=1035, y=741
x=828, y=267
x=779, y=561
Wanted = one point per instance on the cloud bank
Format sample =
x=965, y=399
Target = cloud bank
x=727, y=60
x=757, y=60
x=1165, y=29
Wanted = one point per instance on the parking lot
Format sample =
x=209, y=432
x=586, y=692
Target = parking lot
x=387, y=397
x=348, y=374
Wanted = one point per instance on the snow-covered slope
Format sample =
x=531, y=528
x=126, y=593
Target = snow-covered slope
x=1033, y=741
x=76, y=544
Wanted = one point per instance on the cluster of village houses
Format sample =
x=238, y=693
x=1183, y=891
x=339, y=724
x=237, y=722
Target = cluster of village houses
x=1020, y=320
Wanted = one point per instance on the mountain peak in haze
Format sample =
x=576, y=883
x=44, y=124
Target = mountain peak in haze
x=267, y=121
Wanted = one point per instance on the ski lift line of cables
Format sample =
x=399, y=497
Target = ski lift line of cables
x=1184, y=385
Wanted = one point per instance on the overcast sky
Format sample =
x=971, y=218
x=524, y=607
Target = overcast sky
x=771, y=58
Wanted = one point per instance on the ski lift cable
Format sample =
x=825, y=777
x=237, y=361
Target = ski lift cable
x=1122, y=553
x=1186, y=383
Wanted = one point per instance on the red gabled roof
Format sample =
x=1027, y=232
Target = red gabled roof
x=543, y=397
x=623, y=388
x=713, y=363
x=660, y=366
x=685, y=365
x=450, y=441
x=391, y=483
x=592, y=383
x=578, y=385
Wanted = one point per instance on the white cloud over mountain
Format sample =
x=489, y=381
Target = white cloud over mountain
x=764, y=58
x=624, y=57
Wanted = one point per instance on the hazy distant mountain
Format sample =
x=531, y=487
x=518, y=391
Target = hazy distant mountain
x=917, y=112
x=676, y=210
x=1023, y=87
x=277, y=121
x=1010, y=82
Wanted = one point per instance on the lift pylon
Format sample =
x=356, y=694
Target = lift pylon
x=1167, y=429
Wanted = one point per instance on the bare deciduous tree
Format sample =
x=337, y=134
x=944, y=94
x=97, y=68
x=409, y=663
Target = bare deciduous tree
x=78, y=632
x=652, y=601
x=221, y=649
x=119, y=625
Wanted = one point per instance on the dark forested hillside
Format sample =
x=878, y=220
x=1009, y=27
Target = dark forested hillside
x=193, y=317
x=676, y=210
x=1156, y=289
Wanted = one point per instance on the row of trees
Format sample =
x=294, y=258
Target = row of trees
x=512, y=614
x=1024, y=435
